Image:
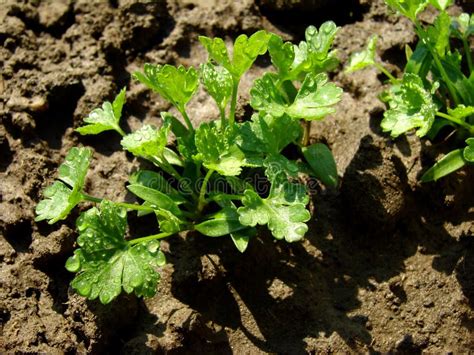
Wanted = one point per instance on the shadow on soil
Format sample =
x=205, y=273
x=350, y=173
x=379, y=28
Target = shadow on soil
x=295, y=18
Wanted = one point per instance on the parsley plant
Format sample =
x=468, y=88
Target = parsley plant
x=201, y=178
x=437, y=87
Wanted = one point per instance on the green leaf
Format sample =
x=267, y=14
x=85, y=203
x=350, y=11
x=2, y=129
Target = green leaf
x=236, y=184
x=363, y=59
x=469, y=150
x=314, y=55
x=217, y=149
x=148, y=142
x=187, y=147
x=314, y=100
x=461, y=112
x=74, y=169
x=170, y=156
x=450, y=162
x=106, y=118
x=241, y=238
x=408, y=8
x=268, y=134
x=175, y=84
x=184, y=138
x=118, y=103
x=266, y=97
x=411, y=106
x=61, y=199
x=463, y=85
x=463, y=25
x=285, y=219
x=156, y=198
x=105, y=263
x=156, y=181
x=279, y=169
x=217, y=51
x=310, y=56
x=321, y=160
x=169, y=223
x=285, y=192
x=320, y=42
x=420, y=61
x=246, y=50
x=177, y=127
x=438, y=34
x=282, y=55
x=441, y=4
x=224, y=222
x=218, y=83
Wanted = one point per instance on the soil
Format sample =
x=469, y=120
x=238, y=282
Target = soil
x=387, y=264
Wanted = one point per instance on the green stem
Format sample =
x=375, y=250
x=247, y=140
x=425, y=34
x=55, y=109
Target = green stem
x=233, y=102
x=222, y=113
x=166, y=166
x=438, y=63
x=186, y=118
x=171, y=168
x=202, y=193
x=91, y=198
x=386, y=72
x=148, y=238
x=120, y=131
x=467, y=51
x=133, y=206
x=457, y=121
x=306, y=133
x=225, y=196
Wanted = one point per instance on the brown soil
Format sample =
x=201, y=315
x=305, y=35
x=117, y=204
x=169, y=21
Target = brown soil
x=387, y=265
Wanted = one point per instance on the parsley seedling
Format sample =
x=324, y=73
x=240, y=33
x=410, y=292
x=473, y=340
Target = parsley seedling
x=437, y=87
x=200, y=181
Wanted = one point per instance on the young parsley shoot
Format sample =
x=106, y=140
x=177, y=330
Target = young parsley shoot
x=436, y=91
x=200, y=181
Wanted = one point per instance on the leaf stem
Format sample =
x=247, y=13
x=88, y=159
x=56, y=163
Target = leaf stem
x=467, y=51
x=306, y=133
x=166, y=166
x=459, y=122
x=222, y=113
x=182, y=110
x=91, y=198
x=233, y=102
x=120, y=131
x=148, y=238
x=133, y=206
x=224, y=196
x=386, y=72
x=202, y=193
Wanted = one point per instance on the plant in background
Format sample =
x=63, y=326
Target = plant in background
x=437, y=87
x=202, y=182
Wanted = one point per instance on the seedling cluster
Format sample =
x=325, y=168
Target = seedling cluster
x=201, y=180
